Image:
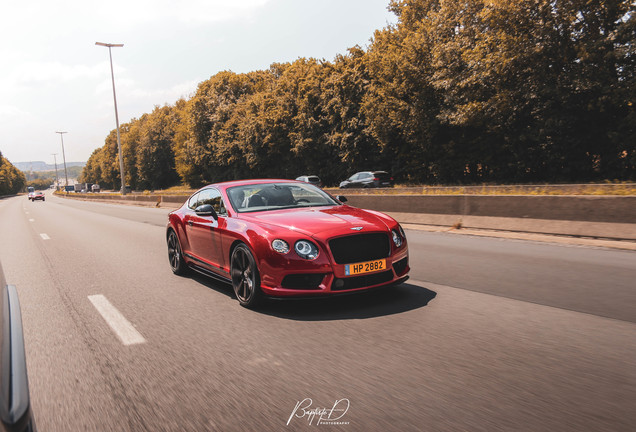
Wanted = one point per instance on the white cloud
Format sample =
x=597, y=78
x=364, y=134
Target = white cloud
x=140, y=12
x=39, y=72
x=12, y=111
x=167, y=95
x=215, y=10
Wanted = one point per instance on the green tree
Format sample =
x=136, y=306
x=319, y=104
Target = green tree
x=155, y=157
x=92, y=172
x=12, y=180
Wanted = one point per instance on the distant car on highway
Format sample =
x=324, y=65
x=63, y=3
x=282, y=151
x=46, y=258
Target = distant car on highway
x=39, y=195
x=311, y=179
x=368, y=179
x=31, y=192
x=15, y=405
x=284, y=238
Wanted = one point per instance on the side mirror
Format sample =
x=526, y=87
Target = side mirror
x=341, y=198
x=206, y=210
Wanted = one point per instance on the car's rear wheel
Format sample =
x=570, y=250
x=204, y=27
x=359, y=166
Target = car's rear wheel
x=175, y=256
x=245, y=277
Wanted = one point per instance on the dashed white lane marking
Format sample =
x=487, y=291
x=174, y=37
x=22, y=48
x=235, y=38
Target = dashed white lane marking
x=45, y=237
x=31, y=220
x=124, y=330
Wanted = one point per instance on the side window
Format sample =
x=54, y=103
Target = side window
x=213, y=197
x=192, y=202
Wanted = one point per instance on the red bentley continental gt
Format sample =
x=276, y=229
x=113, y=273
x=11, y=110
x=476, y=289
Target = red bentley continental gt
x=284, y=238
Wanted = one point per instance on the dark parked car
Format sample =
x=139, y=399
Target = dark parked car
x=311, y=179
x=15, y=405
x=284, y=238
x=39, y=195
x=368, y=179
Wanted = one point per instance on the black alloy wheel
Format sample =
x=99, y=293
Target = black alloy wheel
x=245, y=278
x=175, y=256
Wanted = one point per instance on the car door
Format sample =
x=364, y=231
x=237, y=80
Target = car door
x=366, y=180
x=204, y=232
x=361, y=180
x=353, y=180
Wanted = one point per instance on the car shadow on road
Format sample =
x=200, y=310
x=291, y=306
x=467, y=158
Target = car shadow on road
x=376, y=303
x=368, y=304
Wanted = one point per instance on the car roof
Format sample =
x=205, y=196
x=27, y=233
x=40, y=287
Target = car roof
x=233, y=183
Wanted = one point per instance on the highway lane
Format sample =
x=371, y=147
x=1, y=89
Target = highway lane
x=450, y=350
x=597, y=281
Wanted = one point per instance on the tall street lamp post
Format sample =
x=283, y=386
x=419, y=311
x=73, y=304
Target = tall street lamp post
x=64, y=156
x=57, y=182
x=112, y=74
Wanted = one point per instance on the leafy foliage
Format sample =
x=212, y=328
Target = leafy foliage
x=12, y=180
x=457, y=91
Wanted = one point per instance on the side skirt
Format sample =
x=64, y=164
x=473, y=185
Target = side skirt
x=199, y=268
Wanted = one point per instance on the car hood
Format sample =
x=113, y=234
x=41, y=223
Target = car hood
x=320, y=222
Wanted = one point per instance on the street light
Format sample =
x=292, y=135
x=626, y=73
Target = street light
x=57, y=182
x=112, y=74
x=63, y=155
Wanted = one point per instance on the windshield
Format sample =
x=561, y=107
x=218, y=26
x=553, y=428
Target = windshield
x=273, y=196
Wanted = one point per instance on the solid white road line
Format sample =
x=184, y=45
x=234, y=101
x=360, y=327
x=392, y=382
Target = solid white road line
x=45, y=237
x=124, y=330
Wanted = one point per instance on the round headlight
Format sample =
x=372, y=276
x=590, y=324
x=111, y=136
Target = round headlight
x=280, y=246
x=397, y=240
x=306, y=249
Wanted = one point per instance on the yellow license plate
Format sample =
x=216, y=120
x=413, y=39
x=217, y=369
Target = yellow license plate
x=365, y=267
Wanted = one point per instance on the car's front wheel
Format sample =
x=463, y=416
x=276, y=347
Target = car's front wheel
x=175, y=256
x=245, y=277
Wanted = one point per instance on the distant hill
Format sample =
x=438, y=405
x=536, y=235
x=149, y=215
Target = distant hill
x=43, y=166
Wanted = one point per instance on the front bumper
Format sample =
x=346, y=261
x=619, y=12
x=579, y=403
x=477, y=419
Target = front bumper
x=330, y=280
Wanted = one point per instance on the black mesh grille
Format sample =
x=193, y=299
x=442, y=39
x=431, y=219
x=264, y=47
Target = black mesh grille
x=360, y=248
x=361, y=281
x=400, y=266
x=303, y=281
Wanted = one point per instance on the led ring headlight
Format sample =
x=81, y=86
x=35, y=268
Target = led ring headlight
x=280, y=246
x=397, y=239
x=306, y=249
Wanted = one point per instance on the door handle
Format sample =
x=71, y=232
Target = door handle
x=190, y=222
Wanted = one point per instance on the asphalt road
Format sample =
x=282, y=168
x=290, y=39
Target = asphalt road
x=487, y=335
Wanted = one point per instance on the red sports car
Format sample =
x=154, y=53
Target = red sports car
x=284, y=238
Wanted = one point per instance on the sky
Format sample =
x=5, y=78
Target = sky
x=54, y=78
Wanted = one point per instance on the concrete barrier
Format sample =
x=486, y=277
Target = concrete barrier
x=589, y=216
x=612, y=217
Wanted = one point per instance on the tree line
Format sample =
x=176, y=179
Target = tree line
x=12, y=180
x=456, y=92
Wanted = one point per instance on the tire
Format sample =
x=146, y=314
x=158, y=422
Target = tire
x=245, y=277
x=175, y=257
